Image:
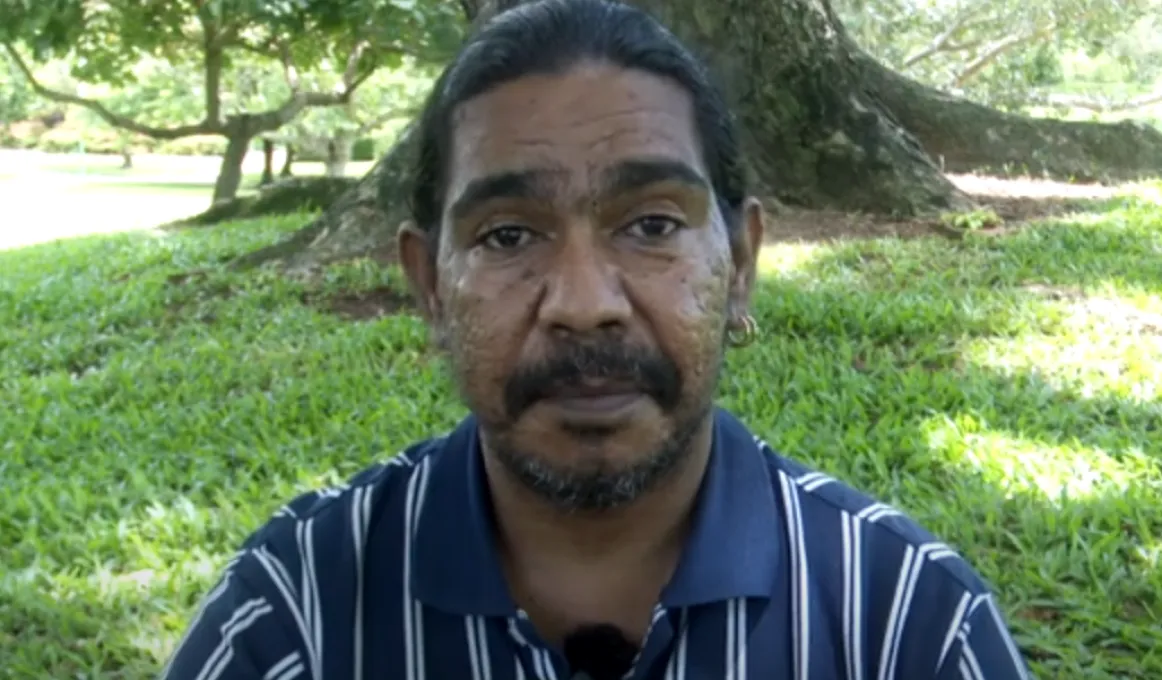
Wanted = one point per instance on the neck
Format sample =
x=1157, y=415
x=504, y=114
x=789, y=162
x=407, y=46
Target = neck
x=532, y=530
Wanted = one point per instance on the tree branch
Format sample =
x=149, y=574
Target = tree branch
x=372, y=123
x=352, y=76
x=206, y=127
x=212, y=78
x=1099, y=104
x=273, y=119
x=941, y=43
x=212, y=41
x=994, y=51
x=289, y=72
x=962, y=46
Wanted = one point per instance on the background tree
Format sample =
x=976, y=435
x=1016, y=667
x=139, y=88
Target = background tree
x=1009, y=55
x=827, y=125
x=104, y=39
x=388, y=99
x=17, y=100
x=159, y=93
x=19, y=103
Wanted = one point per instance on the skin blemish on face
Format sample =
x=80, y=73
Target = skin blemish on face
x=582, y=241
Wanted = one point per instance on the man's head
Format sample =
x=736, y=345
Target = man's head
x=582, y=242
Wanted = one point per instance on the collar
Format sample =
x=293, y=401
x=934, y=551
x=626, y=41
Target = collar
x=733, y=548
x=732, y=551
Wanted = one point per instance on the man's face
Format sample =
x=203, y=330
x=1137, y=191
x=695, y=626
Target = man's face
x=584, y=279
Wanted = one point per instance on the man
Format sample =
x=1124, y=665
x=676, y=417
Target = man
x=583, y=249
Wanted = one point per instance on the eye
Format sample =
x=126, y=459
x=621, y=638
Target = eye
x=652, y=227
x=506, y=237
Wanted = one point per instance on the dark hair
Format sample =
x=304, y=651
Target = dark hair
x=549, y=36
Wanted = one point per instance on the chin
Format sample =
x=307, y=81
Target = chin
x=582, y=477
x=592, y=468
x=580, y=439
x=589, y=448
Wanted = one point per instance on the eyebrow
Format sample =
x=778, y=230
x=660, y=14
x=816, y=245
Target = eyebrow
x=625, y=177
x=634, y=175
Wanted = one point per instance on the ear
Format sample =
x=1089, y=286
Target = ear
x=744, y=250
x=417, y=258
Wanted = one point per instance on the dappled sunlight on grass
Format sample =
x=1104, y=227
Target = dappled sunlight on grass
x=1020, y=464
x=101, y=621
x=1004, y=391
x=786, y=259
x=119, y=601
x=1098, y=362
x=1148, y=190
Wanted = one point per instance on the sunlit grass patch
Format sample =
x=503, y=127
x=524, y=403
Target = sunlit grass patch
x=1053, y=470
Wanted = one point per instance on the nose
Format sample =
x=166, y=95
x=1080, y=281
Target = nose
x=584, y=292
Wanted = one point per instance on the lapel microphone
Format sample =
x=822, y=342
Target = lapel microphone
x=599, y=652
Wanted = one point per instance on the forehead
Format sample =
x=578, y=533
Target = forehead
x=579, y=122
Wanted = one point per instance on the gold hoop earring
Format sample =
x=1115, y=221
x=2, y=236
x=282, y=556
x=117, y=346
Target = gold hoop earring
x=741, y=337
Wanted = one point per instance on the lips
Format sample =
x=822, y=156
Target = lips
x=592, y=389
x=594, y=402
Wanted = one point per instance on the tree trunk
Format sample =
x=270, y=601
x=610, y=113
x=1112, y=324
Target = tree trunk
x=267, y=163
x=815, y=137
x=361, y=223
x=338, y=154
x=964, y=136
x=230, y=171
x=820, y=131
x=287, y=161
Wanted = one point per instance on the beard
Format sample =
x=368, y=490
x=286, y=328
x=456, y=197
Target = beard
x=601, y=486
x=598, y=484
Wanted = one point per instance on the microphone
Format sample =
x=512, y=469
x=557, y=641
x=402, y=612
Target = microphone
x=599, y=652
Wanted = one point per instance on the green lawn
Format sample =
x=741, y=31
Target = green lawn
x=1005, y=391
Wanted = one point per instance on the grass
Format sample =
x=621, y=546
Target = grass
x=1002, y=390
x=66, y=195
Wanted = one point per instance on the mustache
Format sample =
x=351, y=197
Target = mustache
x=649, y=371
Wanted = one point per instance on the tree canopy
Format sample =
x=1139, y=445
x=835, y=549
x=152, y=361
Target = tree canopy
x=106, y=41
x=1004, y=53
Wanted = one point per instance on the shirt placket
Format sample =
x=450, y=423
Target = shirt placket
x=535, y=661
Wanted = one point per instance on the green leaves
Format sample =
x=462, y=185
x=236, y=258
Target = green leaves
x=107, y=42
x=993, y=51
x=44, y=26
x=223, y=56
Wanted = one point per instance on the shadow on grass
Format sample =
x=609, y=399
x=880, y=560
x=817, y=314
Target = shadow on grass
x=1014, y=202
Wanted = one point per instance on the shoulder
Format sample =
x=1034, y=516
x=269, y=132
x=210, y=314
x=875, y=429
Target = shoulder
x=296, y=581
x=331, y=526
x=884, y=537
x=919, y=608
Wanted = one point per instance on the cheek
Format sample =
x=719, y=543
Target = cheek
x=482, y=334
x=704, y=287
x=690, y=317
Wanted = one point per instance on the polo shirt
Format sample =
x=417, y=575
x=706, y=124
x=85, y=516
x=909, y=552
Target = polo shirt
x=787, y=574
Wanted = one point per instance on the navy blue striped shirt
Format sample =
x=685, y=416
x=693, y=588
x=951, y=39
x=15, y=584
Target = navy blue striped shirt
x=787, y=574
